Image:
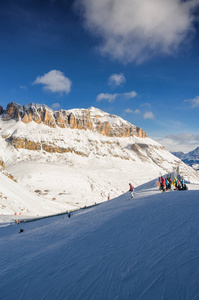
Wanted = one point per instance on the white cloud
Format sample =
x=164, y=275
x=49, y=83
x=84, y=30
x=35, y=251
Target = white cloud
x=56, y=105
x=184, y=142
x=132, y=94
x=194, y=102
x=148, y=115
x=134, y=30
x=54, y=81
x=116, y=80
x=108, y=97
x=130, y=111
x=112, y=97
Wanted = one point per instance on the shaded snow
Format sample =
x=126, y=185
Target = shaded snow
x=142, y=248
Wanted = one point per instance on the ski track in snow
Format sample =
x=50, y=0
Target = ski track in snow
x=141, y=248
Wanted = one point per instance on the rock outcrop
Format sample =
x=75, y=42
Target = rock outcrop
x=1, y=110
x=13, y=111
x=23, y=143
x=85, y=119
x=2, y=164
x=3, y=171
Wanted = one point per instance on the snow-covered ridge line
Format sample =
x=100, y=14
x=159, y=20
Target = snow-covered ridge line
x=88, y=119
x=191, y=158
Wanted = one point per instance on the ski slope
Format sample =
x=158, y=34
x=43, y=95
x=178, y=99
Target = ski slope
x=142, y=248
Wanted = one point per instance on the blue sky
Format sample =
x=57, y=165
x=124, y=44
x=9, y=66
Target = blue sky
x=135, y=59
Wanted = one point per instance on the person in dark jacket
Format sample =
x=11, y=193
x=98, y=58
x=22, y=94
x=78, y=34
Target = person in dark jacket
x=170, y=182
x=69, y=214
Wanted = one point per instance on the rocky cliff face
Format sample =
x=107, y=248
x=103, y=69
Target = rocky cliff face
x=1, y=110
x=86, y=119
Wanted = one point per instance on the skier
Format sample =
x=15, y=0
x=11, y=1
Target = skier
x=69, y=214
x=131, y=190
x=162, y=184
x=167, y=184
x=170, y=182
x=175, y=182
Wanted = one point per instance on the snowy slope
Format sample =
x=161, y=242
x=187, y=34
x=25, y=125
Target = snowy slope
x=145, y=248
x=17, y=199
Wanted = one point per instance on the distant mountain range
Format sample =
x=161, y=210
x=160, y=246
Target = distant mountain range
x=191, y=158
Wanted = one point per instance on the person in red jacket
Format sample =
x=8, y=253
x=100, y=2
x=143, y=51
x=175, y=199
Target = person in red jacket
x=131, y=190
x=162, y=184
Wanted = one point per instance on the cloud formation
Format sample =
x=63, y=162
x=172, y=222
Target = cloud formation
x=111, y=97
x=134, y=30
x=184, y=142
x=107, y=96
x=54, y=81
x=56, y=105
x=148, y=115
x=194, y=102
x=116, y=80
x=129, y=95
x=130, y=111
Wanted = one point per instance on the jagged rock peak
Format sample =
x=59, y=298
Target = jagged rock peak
x=87, y=119
x=1, y=110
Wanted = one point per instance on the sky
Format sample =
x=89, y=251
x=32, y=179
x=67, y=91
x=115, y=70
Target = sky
x=136, y=59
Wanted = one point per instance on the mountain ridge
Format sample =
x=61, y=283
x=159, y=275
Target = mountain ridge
x=191, y=158
x=87, y=119
x=68, y=168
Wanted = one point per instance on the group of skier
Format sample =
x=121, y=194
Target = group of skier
x=166, y=184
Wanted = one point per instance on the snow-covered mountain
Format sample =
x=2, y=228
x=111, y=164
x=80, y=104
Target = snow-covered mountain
x=141, y=248
x=91, y=119
x=179, y=154
x=191, y=158
x=64, y=160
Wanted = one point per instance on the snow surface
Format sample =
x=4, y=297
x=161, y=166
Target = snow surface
x=141, y=248
x=69, y=186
